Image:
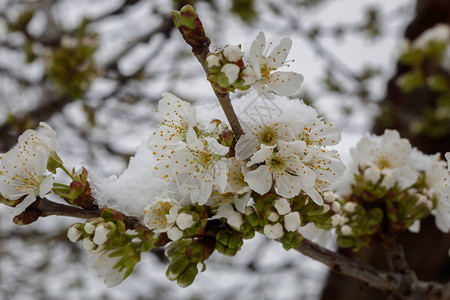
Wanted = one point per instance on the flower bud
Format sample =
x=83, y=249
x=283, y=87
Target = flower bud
x=231, y=72
x=188, y=276
x=335, y=220
x=74, y=234
x=344, y=220
x=350, y=207
x=213, y=60
x=88, y=244
x=282, y=205
x=232, y=53
x=273, y=231
x=101, y=234
x=292, y=221
x=388, y=180
x=249, y=210
x=336, y=207
x=235, y=220
x=174, y=233
x=326, y=208
x=185, y=220
x=372, y=174
x=346, y=230
x=89, y=228
x=273, y=217
x=248, y=75
x=329, y=197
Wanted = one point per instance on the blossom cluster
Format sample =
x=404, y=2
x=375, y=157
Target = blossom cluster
x=389, y=181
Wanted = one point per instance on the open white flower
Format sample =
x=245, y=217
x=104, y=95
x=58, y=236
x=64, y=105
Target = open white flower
x=283, y=166
x=161, y=215
x=179, y=120
x=388, y=153
x=235, y=177
x=264, y=65
x=194, y=169
x=23, y=173
x=101, y=260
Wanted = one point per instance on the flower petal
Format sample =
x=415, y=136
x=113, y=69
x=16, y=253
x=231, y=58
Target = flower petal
x=260, y=180
x=285, y=83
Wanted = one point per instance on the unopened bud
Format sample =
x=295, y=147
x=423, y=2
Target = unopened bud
x=74, y=234
x=231, y=72
x=273, y=217
x=185, y=220
x=273, y=231
x=336, y=207
x=372, y=174
x=89, y=228
x=213, y=60
x=350, y=207
x=346, y=230
x=88, y=244
x=282, y=205
x=101, y=235
x=329, y=197
x=388, y=180
x=232, y=53
x=292, y=221
x=174, y=233
x=326, y=208
x=335, y=220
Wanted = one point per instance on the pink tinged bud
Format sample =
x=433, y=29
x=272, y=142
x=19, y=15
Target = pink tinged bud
x=248, y=75
x=388, y=180
x=273, y=217
x=350, y=207
x=273, y=231
x=174, y=233
x=88, y=244
x=292, y=221
x=89, y=228
x=372, y=174
x=329, y=197
x=74, y=234
x=213, y=60
x=336, y=207
x=231, y=72
x=326, y=208
x=346, y=230
x=185, y=221
x=335, y=220
x=101, y=235
x=232, y=53
x=282, y=206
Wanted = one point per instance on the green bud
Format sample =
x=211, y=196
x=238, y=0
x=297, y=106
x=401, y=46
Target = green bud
x=188, y=17
x=188, y=276
x=176, y=268
x=345, y=241
x=54, y=162
x=176, y=17
x=291, y=240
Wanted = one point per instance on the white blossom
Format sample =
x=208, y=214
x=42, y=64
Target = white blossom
x=105, y=265
x=234, y=218
x=192, y=170
x=23, y=173
x=235, y=176
x=174, y=233
x=248, y=75
x=88, y=244
x=346, y=230
x=161, y=215
x=265, y=66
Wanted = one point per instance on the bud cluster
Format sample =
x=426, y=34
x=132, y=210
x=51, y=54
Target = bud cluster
x=227, y=71
x=184, y=256
x=280, y=218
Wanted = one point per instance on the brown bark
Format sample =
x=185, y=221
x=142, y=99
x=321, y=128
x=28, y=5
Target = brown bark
x=426, y=252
